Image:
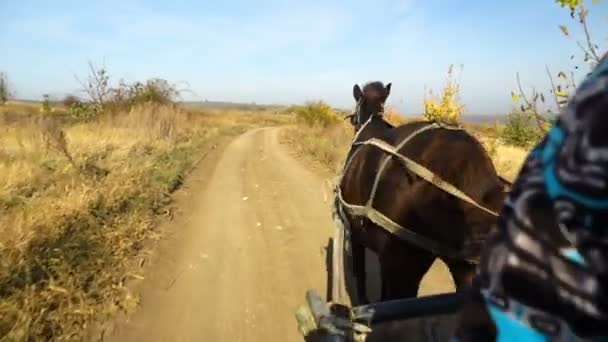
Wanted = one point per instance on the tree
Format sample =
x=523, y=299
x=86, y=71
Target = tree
x=97, y=85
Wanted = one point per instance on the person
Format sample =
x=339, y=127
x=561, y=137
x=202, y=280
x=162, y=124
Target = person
x=543, y=275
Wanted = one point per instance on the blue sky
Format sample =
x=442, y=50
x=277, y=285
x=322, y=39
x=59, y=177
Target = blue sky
x=286, y=51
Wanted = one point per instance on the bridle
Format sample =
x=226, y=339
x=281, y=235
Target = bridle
x=355, y=116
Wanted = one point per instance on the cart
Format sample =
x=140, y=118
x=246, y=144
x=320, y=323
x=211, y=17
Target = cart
x=333, y=319
x=432, y=318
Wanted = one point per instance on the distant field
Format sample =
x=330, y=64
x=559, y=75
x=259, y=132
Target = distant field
x=231, y=105
x=470, y=118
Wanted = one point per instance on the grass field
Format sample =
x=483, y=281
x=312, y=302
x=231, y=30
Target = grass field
x=79, y=200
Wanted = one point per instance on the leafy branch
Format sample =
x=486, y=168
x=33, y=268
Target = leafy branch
x=561, y=86
x=589, y=48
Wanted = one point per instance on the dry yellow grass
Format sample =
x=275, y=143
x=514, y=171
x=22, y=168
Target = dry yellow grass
x=22, y=106
x=508, y=160
x=393, y=116
x=78, y=202
x=327, y=145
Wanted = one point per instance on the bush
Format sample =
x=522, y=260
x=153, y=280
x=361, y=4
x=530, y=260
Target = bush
x=70, y=100
x=124, y=96
x=157, y=91
x=446, y=107
x=82, y=111
x=316, y=113
x=521, y=130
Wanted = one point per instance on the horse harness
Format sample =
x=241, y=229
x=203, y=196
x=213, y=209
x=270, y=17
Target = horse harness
x=382, y=220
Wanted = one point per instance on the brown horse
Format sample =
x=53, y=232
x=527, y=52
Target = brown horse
x=438, y=223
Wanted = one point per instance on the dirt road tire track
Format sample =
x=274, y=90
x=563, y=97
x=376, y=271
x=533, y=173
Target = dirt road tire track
x=245, y=246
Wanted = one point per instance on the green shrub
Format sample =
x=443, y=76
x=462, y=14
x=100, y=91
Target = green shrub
x=316, y=113
x=522, y=130
x=82, y=111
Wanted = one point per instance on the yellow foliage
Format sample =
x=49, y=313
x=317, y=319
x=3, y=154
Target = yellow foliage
x=316, y=113
x=514, y=96
x=447, y=106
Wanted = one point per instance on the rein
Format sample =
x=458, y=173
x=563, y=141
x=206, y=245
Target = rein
x=380, y=219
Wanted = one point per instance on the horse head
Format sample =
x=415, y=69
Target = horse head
x=370, y=101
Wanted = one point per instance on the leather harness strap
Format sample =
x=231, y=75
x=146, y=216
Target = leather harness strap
x=382, y=220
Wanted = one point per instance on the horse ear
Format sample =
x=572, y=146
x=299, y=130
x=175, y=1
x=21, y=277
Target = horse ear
x=388, y=89
x=357, y=93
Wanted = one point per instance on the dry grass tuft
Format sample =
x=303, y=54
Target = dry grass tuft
x=77, y=203
x=507, y=159
x=327, y=145
x=393, y=116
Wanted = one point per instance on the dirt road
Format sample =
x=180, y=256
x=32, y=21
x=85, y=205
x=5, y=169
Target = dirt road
x=245, y=246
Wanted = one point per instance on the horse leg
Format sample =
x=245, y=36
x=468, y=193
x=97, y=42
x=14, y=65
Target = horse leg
x=462, y=272
x=402, y=268
x=358, y=250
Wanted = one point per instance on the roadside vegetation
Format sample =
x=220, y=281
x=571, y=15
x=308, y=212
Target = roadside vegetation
x=83, y=183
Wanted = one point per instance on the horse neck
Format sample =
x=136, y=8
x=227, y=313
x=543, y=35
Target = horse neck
x=375, y=128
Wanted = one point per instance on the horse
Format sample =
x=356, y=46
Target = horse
x=425, y=190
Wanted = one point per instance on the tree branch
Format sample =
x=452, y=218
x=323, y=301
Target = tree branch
x=531, y=107
x=572, y=79
x=583, y=19
x=553, y=90
x=521, y=91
